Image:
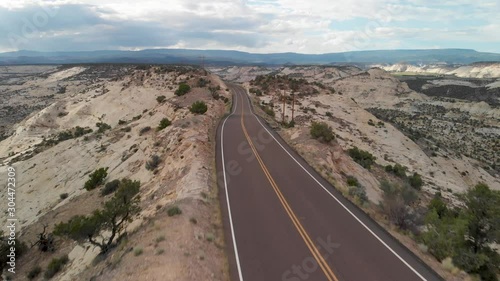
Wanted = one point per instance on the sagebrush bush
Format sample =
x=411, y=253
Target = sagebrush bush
x=198, y=107
x=322, y=132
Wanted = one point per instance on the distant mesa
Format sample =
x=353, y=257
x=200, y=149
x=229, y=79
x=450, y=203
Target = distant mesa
x=224, y=57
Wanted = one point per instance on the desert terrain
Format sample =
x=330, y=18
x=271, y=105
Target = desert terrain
x=59, y=124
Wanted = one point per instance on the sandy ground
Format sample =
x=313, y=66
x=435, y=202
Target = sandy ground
x=185, y=176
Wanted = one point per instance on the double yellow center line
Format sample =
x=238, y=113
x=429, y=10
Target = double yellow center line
x=309, y=243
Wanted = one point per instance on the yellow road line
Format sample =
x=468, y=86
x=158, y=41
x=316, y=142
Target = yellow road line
x=314, y=250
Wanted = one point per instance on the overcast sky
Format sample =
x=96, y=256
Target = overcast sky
x=307, y=26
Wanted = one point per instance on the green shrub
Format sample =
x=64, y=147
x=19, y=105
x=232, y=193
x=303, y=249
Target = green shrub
x=161, y=99
x=164, y=123
x=110, y=187
x=198, y=107
x=33, y=273
x=153, y=163
x=416, y=181
x=102, y=127
x=63, y=196
x=79, y=131
x=322, y=132
x=96, y=178
x=388, y=168
x=66, y=135
x=172, y=211
x=183, y=89
x=329, y=114
x=352, y=181
x=55, y=265
x=122, y=122
x=138, y=252
x=363, y=158
x=399, y=171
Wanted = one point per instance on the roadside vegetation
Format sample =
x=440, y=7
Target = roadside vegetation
x=198, y=107
x=466, y=235
x=322, y=132
x=362, y=157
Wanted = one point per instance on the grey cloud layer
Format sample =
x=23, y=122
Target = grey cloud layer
x=85, y=27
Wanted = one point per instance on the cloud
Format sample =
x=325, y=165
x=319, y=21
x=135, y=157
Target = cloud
x=247, y=25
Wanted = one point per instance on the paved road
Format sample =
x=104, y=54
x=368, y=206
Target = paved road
x=284, y=222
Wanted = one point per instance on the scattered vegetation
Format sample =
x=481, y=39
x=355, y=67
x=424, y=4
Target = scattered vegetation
x=363, y=158
x=322, y=132
x=71, y=134
x=397, y=169
x=183, y=89
x=161, y=99
x=55, y=265
x=96, y=178
x=113, y=218
x=416, y=181
x=256, y=91
x=173, y=211
x=144, y=130
x=138, y=251
x=356, y=190
x=467, y=234
x=165, y=122
x=153, y=163
x=33, y=273
x=102, y=127
x=396, y=204
x=110, y=187
x=268, y=110
x=198, y=107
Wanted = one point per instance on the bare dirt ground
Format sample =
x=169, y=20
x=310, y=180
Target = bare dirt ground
x=188, y=246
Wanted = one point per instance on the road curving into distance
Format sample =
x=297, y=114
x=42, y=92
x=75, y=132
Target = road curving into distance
x=284, y=222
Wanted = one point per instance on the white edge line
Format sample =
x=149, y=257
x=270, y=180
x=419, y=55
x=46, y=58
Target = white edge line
x=336, y=199
x=227, y=195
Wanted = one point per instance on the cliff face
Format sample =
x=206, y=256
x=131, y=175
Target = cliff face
x=477, y=70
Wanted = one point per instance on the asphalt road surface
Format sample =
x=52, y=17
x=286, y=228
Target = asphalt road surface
x=284, y=222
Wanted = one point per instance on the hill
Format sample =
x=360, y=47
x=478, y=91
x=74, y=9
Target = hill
x=225, y=57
